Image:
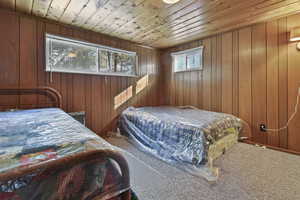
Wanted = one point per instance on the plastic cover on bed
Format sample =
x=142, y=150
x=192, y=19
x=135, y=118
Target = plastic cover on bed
x=34, y=137
x=186, y=137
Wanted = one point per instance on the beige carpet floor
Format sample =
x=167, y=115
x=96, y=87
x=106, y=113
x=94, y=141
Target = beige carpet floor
x=247, y=173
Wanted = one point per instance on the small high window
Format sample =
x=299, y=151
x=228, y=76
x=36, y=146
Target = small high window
x=188, y=60
x=72, y=56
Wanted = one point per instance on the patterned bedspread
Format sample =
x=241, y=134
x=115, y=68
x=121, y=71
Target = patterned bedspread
x=34, y=136
x=177, y=135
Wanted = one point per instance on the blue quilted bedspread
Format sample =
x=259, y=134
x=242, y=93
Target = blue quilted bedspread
x=176, y=134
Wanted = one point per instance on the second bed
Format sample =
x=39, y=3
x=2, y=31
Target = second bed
x=188, y=137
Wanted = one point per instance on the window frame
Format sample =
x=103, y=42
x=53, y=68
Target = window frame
x=99, y=47
x=186, y=53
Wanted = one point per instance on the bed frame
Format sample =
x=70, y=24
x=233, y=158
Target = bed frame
x=53, y=94
x=70, y=160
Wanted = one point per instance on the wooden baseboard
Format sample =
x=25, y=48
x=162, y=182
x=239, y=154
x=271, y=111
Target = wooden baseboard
x=272, y=147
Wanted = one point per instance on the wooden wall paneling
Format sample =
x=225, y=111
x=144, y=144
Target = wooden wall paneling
x=259, y=82
x=9, y=54
x=8, y=4
x=207, y=74
x=119, y=90
x=147, y=72
x=41, y=74
x=235, y=73
x=173, y=78
x=104, y=99
x=114, y=92
x=107, y=98
x=200, y=81
x=293, y=85
x=257, y=69
x=88, y=100
x=95, y=104
x=181, y=87
x=152, y=77
x=166, y=78
x=219, y=73
x=100, y=92
x=156, y=74
x=283, y=80
x=159, y=73
x=28, y=60
x=126, y=84
x=245, y=90
x=227, y=69
x=214, y=86
x=78, y=94
x=141, y=73
x=176, y=90
x=272, y=82
x=145, y=91
x=194, y=90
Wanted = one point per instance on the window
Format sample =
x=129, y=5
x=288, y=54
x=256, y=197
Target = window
x=71, y=56
x=188, y=60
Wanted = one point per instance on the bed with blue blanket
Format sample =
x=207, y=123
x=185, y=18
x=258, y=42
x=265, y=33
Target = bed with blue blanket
x=185, y=136
x=46, y=154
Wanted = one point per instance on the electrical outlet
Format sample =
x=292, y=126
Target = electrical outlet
x=263, y=128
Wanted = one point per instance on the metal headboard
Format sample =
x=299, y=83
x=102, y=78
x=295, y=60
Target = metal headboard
x=47, y=91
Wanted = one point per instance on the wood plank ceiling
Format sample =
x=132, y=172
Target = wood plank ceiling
x=154, y=23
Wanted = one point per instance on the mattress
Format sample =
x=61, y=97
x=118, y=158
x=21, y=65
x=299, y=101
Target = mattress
x=35, y=137
x=181, y=135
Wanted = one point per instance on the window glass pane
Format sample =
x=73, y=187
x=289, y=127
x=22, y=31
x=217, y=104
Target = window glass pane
x=193, y=60
x=104, y=57
x=179, y=63
x=65, y=55
x=71, y=56
x=123, y=63
x=188, y=59
x=117, y=62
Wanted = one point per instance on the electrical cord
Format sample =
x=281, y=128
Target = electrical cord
x=290, y=119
